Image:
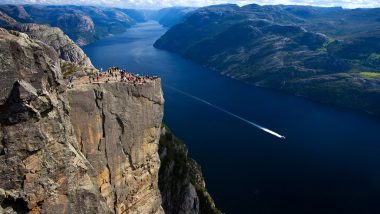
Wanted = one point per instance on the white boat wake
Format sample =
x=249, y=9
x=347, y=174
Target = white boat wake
x=226, y=112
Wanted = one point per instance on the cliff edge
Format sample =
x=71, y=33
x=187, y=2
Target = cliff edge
x=89, y=150
x=92, y=148
x=41, y=169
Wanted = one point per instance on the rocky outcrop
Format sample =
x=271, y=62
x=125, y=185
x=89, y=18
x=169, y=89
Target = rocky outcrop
x=182, y=185
x=52, y=36
x=117, y=126
x=92, y=149
x=6, y=20
x=94, y=154
x=18, y=12
x=41, y=169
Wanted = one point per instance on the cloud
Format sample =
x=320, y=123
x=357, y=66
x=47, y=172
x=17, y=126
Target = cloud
x=198, y=3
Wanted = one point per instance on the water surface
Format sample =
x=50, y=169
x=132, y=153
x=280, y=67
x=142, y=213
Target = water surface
x=329, y=162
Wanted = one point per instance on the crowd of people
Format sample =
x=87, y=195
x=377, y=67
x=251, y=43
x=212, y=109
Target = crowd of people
x=70, y=80
x=112, y=74
x=117, y=74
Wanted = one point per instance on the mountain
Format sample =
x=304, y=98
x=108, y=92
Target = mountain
x=91, y=148
x=41, y=168
x=66, y=49
x=73, y=151
x=338, y=22
x=309, y=51
x=137, y=15
x=171, y=16
x=83, y=24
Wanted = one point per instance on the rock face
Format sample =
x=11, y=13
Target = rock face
x=41, y=169
x=94, y=154
x=118, y=128
x=92, y=149
x=181, y=183
x=52, y=36
x=62, y=44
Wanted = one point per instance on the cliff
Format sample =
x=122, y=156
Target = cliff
x=181, y=182
x=41, y=169
x=117, y=126
x=96, y=153
x=93, y=148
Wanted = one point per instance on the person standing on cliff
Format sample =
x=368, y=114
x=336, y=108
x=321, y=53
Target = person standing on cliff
x=122, y=76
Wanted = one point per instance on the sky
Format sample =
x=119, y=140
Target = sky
x=197, y=3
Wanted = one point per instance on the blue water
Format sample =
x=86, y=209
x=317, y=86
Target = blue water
x=329, y=162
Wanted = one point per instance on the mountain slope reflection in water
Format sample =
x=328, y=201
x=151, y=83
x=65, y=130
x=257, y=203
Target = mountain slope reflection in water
x=330, y=162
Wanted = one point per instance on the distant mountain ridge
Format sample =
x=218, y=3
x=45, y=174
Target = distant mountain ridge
x=171, y=16
x=83, y=24
x=331, y=55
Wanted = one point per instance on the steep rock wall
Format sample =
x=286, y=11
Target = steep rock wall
x=183, y=188
x=97, y=153
x=92, y=149
x=117, y=126
x=41, y=171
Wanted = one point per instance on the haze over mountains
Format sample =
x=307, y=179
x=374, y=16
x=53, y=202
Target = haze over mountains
x=169, y=17
x=152, y=4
